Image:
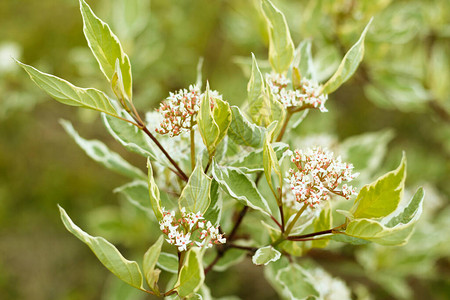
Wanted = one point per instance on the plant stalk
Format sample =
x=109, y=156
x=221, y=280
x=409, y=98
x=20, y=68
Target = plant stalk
x=285, y=124
x=192, y=149
x=291, y=225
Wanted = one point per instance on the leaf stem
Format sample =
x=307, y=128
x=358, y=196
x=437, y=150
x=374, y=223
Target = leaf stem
x=304, y=236
x=278, y=223
x=179, y=172
x=192, y=149
x=181, y=255
x=286, y=121
x=250, y=249
x=291, y=225
x=208, y=165
x=280, y=207
x=141, y=125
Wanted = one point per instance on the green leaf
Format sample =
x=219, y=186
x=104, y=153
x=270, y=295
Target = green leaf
x=130, y=136
x=271, y=164
x=265, y=255
x=323, y=222
x=254, y=161
x=168, y=262
x=214, y=211
x=155, y=199
x=348, y=65
x=103, y=155
x=243, y=132
x=222, y=117
x=195, y=195
x=381, y=197
x=209, y=129
x=191, y=275
x=136, y=193
x=281, y=47
x=409, y=211
x=393, y=230
x=150, y=258
x=106, y=48
x=240, y=187
x=66, y=93
x=305, y=62
x=117, y=83
x=296, y=282
x=107, y=253
x=230, y=258
x=255, y=89
x=270, y=272
x=276, y=113
x=293, y=248
x=348, y=239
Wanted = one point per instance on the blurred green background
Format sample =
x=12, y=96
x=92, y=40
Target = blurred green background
x=401, y=85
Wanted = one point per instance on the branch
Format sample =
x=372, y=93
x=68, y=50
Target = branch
x=179, y=172
x=304, y=236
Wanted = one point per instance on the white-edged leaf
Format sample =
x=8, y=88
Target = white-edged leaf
x=281, y=47
x=106, y=48
x=69, y=94
x=107, y=253
x=155, y=199
x=243, y=132
x=395, y=229
x=209, y=130
x=296, y=283
x=303, y=59
x=380, y=198
x=240, y=187
x=214, y=211
x=222, y=117
x=265, y=255
x=255, y=90
x=191, y=275
x=150, y=258
x=168, y=262
x=271, y=164
x=195, y=196
x=348, y=65
x=254, y=161
x=103, y=155
x=137, y=194
x=129, y=136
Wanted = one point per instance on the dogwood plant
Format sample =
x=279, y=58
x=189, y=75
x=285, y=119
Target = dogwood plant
x=208, y=155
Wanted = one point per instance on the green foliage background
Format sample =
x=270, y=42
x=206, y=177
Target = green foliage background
x=401, y=85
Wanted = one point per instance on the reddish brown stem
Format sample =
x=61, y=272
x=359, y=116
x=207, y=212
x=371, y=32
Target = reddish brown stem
x=296, y=237
x=179, y=172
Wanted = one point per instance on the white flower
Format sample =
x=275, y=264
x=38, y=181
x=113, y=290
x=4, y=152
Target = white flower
x=308, y=95
x=180, y=109
x=317, y=174
x=183, y=232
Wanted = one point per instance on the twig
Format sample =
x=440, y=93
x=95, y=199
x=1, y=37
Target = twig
x=179, y=172
x=250, y=249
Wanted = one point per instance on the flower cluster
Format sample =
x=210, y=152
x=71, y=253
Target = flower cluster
x=317, y=174
x=306, y=96
x=180, y=109
x=190, y=229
